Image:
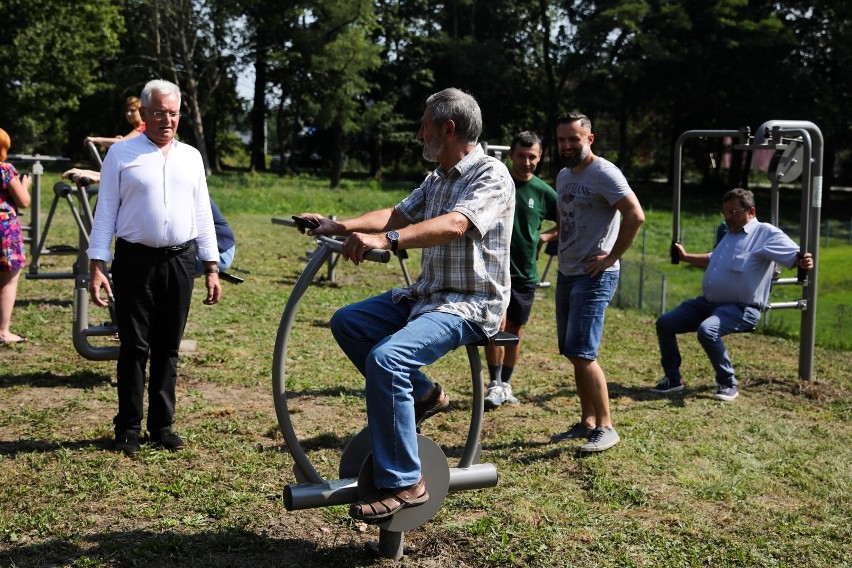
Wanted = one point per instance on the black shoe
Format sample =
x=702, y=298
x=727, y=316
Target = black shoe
x=168, y=440
x=127, y=442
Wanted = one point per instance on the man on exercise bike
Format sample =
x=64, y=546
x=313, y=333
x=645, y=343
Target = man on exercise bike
x=461, y=216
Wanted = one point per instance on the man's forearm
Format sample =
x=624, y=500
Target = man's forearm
x=372, y=222
x=433, y=232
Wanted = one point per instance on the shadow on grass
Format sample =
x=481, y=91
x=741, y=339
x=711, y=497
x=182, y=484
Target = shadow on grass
x=332, y=392
x=13, y=449
x=616, y=391
x=639, y=394
x=80, y=380
x=42, y=302
x=233, y=548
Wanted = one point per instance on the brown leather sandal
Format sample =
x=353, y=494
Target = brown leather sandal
x=437, y=402
x=385, y=503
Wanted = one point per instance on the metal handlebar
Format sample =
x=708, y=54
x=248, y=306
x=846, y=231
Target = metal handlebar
x=375, y=255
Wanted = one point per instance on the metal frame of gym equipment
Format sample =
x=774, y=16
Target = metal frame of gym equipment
x=798, y=147
x=331, y=263
x=311, y=490
x=83, y=216
x=82, y=213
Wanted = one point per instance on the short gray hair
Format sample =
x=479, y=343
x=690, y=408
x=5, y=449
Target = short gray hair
x=158, y=86
x=461, y=108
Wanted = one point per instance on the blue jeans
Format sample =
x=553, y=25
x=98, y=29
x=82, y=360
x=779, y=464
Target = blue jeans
x=581, y=304
x=711, y=322
x=389, y=350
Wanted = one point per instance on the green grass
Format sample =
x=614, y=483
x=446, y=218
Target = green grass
x=764, y=481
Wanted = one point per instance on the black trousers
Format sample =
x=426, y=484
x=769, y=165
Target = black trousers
x=152, y=289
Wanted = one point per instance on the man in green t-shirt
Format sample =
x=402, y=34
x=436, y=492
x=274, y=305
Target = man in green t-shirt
x=535, y=201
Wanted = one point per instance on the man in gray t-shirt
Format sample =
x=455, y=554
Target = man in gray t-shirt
x=599, y=217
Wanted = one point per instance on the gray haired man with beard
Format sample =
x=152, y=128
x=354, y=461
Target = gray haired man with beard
x=461, y=216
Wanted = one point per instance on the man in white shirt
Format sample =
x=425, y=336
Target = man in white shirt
x=153, y=198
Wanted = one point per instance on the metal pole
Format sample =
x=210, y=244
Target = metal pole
x=35, y=224
x=812, y=185
x=678, y=173
x=391, y=544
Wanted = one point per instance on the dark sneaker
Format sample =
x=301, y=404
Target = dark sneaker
x=726, y=393
x=667, y=386
x=127, y=443
x=495, y=396
x=601, y=439
x=168, y=440
x=575, y=432
x=437, y=402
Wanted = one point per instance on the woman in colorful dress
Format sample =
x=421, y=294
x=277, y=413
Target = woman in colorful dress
x=14, y=195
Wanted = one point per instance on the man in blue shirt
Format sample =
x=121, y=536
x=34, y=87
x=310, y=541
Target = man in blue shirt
x=735, y=289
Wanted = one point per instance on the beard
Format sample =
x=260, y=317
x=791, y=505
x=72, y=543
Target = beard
x=577, y=159
x=431, y=150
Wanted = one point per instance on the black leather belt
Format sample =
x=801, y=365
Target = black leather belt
x=163, y=251
x=175, y=249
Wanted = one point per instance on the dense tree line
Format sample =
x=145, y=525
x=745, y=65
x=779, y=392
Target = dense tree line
x=339, y=79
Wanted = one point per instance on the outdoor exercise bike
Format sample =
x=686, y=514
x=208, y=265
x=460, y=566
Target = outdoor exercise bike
x=311, y=490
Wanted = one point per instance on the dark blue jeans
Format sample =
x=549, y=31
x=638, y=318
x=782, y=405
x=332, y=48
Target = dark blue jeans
x=711, y=322
x=581, y=304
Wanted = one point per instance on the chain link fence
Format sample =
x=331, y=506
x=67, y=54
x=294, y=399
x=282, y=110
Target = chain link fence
x=641, y=287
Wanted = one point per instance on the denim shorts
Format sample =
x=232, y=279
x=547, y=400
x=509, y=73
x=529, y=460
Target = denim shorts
x=580, y=309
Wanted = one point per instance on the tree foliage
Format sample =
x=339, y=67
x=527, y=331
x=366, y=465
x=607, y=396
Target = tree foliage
x=49, y=59
x=348, y=78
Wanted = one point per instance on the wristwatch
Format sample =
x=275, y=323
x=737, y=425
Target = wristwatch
x=393, y=237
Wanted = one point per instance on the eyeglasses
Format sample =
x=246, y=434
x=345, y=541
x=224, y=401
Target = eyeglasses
x=728, y=212
x=160, y=115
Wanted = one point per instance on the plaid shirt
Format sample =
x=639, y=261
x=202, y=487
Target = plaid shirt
x=469, y=276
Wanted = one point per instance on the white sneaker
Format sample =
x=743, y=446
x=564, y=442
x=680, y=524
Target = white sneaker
x=495, y=395
x=507, y=394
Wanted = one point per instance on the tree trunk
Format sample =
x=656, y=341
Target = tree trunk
x=192, y=99
x=376, y=157
x=552, y=95
x=336, y=155
x=258, y=112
